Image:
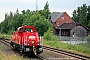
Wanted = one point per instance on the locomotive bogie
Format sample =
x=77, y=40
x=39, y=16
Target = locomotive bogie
x=28, y=49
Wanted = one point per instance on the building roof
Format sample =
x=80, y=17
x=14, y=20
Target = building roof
x=55, y=15
x=70, y=25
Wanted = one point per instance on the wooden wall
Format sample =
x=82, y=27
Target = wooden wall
x=78, y=31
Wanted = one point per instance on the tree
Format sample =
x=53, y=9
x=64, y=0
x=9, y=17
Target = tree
x=11, y=22
x=45, y=12
x=75, y=16
x=84, y=14
x=23, y=12
x=36, y=18
x=39, y=22
x=88, y=16
x=80, y=15
x=46, y=7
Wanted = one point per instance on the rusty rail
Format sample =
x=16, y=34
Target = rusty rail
x=74, y=55
x=6, y=42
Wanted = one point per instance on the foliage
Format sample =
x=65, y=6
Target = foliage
x=49, y=36
x=5, y=36
x=82, y=15
x=46, y=10
x=73, y=48
x=36, y=18
x=88, y=40
x=40, y=22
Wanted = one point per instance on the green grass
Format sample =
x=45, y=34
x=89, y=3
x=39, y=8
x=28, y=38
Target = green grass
x=73, y=48
x=5, y=54
x=5, y=36
x=57, y=44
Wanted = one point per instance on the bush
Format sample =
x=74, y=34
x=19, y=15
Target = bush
x=5, y=36
x=10, y=32
x=88, y=41
x=49, y=36
x=87, y=38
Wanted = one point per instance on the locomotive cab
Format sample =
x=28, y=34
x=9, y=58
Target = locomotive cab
x=26, y=39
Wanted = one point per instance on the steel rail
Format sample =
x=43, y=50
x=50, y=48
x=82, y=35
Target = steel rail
x=6, y=42
x=72, y=54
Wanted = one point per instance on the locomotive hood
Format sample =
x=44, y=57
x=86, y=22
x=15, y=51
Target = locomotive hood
x=31, y=38
x=29, y=35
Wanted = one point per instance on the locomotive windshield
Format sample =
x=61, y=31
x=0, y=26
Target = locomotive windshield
x=28, y=29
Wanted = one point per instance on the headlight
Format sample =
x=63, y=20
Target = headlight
x=32, y=42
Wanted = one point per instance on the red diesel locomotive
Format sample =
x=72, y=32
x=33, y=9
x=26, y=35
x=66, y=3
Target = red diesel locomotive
x=26, y=39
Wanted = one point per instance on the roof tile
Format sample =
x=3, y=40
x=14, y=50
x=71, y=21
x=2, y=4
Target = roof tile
x=55, y=15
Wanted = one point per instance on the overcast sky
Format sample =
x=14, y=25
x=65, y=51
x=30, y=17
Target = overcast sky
x=55, y=5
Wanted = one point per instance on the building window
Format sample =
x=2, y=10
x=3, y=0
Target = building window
x=62, y=18
x=73, y=34
x=57, y=24
x=66, y=22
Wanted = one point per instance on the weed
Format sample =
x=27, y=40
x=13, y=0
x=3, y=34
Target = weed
x=75, y=48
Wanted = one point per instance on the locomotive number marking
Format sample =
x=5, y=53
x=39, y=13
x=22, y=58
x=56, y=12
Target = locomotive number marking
x=31, y=37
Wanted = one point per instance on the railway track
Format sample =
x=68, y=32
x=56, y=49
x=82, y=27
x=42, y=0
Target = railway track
x=71, y=54
x=40, y=57
x=6, y=42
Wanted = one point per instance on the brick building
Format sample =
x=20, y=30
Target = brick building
x=64, y=25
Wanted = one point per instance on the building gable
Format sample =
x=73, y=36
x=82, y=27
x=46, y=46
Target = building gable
x=54, y=16
x=64, y=18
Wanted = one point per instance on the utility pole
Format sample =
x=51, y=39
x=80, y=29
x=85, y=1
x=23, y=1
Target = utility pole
x=36, y=5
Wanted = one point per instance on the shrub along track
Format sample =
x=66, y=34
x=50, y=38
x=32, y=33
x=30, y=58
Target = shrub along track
x=7, y=43
x=71, y=54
